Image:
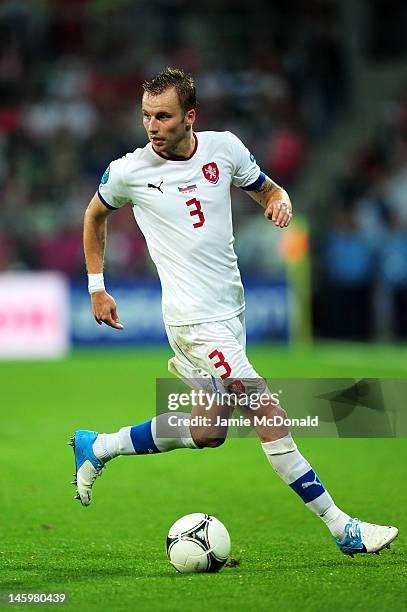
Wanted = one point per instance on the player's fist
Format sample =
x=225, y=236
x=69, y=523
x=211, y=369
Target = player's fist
x=279, y=210
x=104, y=309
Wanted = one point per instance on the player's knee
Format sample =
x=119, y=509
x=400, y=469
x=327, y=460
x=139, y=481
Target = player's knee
x=271, y=409
x=204, y=439
x=214, y=442
x=280, y=412
x=211, y=442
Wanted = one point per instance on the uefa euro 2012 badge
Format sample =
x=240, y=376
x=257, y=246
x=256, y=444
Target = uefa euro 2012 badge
x=105, y=176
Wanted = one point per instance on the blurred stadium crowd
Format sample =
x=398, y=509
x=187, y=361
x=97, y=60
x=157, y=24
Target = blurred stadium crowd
x=364, y=266
x=71, y=74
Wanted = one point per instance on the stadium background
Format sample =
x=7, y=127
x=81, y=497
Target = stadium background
x=317, y=90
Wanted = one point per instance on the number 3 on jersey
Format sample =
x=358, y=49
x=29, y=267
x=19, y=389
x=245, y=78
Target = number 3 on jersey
x=196, y=211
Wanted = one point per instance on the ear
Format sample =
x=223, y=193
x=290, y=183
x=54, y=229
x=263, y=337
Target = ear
x=190, y=117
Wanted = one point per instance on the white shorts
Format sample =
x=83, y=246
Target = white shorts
x=214, y=352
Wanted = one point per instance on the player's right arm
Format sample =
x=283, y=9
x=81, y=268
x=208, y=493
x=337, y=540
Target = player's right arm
x=247, y=175
x=94, y=241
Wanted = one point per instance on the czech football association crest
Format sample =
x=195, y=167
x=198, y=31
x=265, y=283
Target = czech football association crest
x=237, y=387
x=211, y=172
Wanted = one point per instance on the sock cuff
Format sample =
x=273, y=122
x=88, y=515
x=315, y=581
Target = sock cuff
x=167, y=437
x=189, y=443
x=279, y=447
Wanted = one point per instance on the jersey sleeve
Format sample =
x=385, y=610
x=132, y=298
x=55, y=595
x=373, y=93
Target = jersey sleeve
x=112, y=189
x=246, y=172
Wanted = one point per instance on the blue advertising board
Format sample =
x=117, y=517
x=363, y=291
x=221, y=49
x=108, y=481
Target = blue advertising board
x=139, y=306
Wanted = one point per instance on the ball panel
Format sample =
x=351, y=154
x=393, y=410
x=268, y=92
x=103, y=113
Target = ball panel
x=170, y=544
x=187, y=523
x=215, y=564
x=218, y=539
x=187, y=555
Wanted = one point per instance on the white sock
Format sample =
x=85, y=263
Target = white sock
x=154, y=436
x=108, y=446
x=336, y=520
x=291, y=466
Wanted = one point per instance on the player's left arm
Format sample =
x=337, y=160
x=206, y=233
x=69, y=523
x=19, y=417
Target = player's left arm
x=275, y=200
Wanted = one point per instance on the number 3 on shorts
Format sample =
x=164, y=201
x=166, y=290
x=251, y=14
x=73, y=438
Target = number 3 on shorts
x=221, y=363
x=196, y=211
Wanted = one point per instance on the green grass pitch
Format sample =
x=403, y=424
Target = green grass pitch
x=111, y=556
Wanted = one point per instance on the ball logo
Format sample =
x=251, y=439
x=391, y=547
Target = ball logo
x=200, y=535
x=211, y=172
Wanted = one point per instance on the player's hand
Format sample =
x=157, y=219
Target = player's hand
x=279, y=210
x=104, y=309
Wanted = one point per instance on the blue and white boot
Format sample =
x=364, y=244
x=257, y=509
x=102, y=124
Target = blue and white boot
x=364, y=537
x=87, y=466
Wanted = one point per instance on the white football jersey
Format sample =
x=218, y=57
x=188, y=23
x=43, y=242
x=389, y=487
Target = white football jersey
x=183, y=208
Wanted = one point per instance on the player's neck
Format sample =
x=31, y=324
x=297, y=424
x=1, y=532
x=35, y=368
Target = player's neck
x=184, y=149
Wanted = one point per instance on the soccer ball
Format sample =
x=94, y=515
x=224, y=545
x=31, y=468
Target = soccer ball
x=198, y=543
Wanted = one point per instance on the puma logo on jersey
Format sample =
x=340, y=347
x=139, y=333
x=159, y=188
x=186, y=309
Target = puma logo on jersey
x=151, y=186
x=316, y=481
